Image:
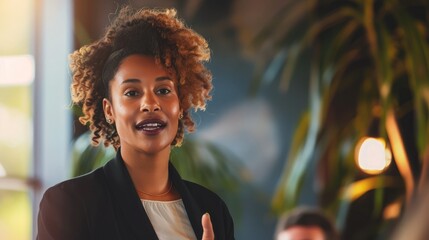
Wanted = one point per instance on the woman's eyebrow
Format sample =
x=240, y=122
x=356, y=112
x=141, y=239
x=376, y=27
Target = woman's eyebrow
x=131, y=80
x=163, y=78
x=135, y=80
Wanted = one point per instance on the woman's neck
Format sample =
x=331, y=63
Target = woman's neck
x=149, y=172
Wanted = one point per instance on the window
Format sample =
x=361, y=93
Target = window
x=16, y=78
x=34, y=116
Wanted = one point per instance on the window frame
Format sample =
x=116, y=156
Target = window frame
x=52, y=118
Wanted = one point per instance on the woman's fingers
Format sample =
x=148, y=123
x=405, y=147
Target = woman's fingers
x=208, y=233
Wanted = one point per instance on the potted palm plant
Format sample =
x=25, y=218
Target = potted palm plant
x=368, y=68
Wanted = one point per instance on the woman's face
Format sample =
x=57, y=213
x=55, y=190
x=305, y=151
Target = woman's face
x=144, y=105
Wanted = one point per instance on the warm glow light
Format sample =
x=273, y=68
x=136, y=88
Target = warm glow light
x=393, y=210
x=372, y=155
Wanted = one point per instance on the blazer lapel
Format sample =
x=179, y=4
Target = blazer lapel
x=132, y=220
x=191, y=206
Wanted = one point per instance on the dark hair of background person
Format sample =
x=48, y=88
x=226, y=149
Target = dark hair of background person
x=307, y=217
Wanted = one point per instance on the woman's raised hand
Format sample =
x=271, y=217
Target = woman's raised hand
x=208, y=233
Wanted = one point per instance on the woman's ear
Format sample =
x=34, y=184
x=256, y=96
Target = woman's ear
x=108, y=111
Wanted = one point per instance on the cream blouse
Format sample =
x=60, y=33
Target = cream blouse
x=169, y=219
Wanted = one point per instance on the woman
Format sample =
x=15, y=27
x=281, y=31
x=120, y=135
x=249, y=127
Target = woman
x=136, y=86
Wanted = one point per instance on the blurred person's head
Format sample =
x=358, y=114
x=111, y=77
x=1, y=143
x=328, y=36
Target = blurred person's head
x=305, y=224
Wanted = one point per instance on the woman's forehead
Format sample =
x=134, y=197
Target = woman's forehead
x=142, y=65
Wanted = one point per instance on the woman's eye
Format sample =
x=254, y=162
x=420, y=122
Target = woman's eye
x=131, y=93
x=163, y=91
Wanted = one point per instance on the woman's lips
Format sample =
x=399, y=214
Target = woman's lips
x=151, y=126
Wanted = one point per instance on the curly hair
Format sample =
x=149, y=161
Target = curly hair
x=158, y=33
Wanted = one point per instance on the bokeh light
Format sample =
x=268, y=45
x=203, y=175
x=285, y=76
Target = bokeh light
x=372, y=155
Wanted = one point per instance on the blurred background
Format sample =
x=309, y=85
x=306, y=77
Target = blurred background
x=317, y=103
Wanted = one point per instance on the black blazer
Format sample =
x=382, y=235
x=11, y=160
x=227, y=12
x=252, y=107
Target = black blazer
x=104, y=205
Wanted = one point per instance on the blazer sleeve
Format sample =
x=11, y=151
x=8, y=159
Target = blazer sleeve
x=229, y=223
x=61, y=215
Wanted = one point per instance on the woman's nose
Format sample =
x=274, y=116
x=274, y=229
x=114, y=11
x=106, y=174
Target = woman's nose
x=149, y=103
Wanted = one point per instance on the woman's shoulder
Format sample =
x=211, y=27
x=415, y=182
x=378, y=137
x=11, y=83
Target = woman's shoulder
x=200, y=192
x=66, y=205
